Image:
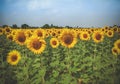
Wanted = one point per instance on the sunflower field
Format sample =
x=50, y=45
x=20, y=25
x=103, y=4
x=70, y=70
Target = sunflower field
x=60, y=56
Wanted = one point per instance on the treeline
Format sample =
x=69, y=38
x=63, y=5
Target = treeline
x=26, y=26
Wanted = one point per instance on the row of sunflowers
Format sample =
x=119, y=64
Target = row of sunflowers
x=60, y=56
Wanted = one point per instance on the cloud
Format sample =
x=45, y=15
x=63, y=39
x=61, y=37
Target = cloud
x=39, y=4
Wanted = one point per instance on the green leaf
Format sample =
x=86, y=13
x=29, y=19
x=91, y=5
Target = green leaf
x=55, y=73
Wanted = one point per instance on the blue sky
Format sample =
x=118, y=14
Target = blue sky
x=83, y=13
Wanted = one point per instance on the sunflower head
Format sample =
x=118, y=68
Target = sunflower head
x=98, y=36
x=28, y=33
x=54, y=42
x=115, y=51
x=40, y=33
x=115, y=29
x=1, y=31
x=68, y=38
x=117, y=45
x=53, y=34
x=10, y=37
x=7, y=30
x=13, y=57
x=85, y=36
x=110, y=33
x=36, y=45
x=20, y=37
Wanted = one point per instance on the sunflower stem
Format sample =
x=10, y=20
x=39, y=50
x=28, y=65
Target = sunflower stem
x=27, y=67
x=94, y=58
x=41, y=65
x=68, y=62
x=113, y=64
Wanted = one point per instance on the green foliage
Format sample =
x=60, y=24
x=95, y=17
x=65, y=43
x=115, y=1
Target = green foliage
x=92, y=63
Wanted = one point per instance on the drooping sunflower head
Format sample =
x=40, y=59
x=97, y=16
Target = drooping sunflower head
x=40, y=33
x=13, y=57
x=54, y=42
x=36, y=45
x=117, y=45
x=68, y=38
x=110, y=33
x=85, y=35
x=98, y=36
x=115, y=51
x=20, y=37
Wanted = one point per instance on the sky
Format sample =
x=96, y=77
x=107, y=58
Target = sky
x=82, y=13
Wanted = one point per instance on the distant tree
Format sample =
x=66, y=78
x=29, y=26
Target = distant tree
x=24, y=26
x=46, y=26
x=51, y=25
x=68, y=27
x=14, y=26
x=115, y=26
x=5, y=26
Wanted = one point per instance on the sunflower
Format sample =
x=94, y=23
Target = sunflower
x=36, y=45
x=98, y=36
x=92, y=30
x=68, y=38
x=40, y=33
x=7, y=30
x=53, y=34
x=13, y=31
x=115, y=29
x=20, y=37
x=13, y=57
x=110, y=33
x=58, y=31
x=28, y=33
x=85, y=36
x=115, y=51
x=54, y=42
x=10, y=37
x=117, y=45
x=47, y=35
x=1, y=31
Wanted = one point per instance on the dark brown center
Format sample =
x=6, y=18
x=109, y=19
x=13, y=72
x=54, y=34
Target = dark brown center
x=85, y=35
x=40, y=34
x=102, y=29
x=115, y=29
x=54, y=42
x=109, y=33
x=0, y=30
x=53, y=34
x=10, y=37
x=7, y=30
x=14, y=58
x=21, y=37
x=98, y=36
x=119, y=45
x=68, y=39
x=114, y=50
x=36, y=44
